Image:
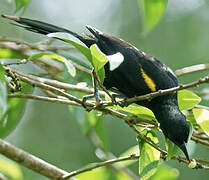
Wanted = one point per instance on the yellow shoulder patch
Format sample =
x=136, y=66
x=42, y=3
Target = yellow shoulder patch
x=150, y=83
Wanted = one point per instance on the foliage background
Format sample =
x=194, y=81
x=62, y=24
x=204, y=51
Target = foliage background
x=49, y=131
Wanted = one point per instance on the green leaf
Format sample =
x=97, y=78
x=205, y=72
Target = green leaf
x=191, y=119
x=98, y=173
x=15, y=110
x=140, y=111
x=187, y=99
x=93, y=55
x=202, y=118
x=20, y=4
x=98, y=61
x=98, y=58
x=165, y=172
x=73, y=41
x=68, y=64
x=149, y=157
x=128, y=152
x=171, y=148
x=151, y=12
x=10, y=169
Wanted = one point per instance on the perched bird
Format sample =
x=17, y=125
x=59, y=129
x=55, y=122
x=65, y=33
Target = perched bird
x=138, y=74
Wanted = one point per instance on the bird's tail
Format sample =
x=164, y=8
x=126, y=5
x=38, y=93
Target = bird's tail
x=45, y=28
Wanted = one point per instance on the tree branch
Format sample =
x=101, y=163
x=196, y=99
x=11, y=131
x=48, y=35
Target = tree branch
x=42, y=98
x=161, y=92
x=31, y=162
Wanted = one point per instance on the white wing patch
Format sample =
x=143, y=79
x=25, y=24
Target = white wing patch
x=115, y=60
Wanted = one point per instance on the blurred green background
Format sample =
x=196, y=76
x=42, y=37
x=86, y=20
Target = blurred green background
x=181, y=39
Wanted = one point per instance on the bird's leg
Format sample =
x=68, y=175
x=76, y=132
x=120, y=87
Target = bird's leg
x=96, y=92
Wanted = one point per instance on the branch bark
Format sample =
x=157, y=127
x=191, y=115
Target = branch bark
x=31, y=162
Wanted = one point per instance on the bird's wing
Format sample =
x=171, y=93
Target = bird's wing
x=139, y=73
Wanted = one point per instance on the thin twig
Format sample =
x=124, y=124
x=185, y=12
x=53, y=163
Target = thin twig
x=23, y=61
x=192, y=69
x=202, y=107
x=42, y=46
x=206, y=161
x=51, y=88
x=103, y=155
x=58, y=84
x=97, y=165
x=42, y=98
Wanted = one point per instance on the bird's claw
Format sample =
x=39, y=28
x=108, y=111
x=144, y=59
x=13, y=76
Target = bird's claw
x=95, y=95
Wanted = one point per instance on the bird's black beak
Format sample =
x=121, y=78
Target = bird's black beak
x=94, y=31
x=184, y=149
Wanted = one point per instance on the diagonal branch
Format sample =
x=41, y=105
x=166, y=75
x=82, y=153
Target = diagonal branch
x=31, y=162
x=192, y=69
x=97, y=165
x=161, y=92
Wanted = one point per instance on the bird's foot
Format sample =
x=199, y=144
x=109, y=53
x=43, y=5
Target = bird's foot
x=95, y=95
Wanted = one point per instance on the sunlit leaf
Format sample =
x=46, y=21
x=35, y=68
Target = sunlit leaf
x=101, y=74
x=149, y=157
x=187, y=99
x=99, y=173
x=20, y=4
x=10, y=169
x=68, y=64
x=93, y=54
x=202, y=118
x=140, y=111
x=165, y=172
x=98, y=60
x=73, y=41
x=151, y=12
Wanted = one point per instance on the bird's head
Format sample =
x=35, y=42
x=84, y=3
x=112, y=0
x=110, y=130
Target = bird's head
x=174, y=126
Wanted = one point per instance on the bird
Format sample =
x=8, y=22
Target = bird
x=138, y=74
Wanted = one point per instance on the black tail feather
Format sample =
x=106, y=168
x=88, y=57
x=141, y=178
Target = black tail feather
x=45, y=28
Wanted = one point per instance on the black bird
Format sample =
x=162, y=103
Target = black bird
x=138, y=74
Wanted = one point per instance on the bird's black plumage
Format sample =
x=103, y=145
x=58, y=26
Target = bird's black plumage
x=138, y=74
